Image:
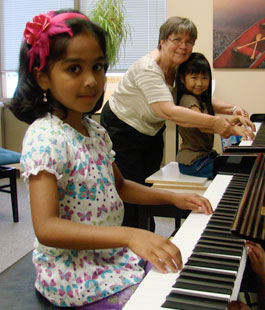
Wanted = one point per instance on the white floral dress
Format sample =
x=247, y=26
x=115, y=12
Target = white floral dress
x=87, y=194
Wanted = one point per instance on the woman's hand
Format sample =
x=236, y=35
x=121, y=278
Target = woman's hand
x=228, y=127
x=158, y=250
x=240, y=111
x=240, y=120
x=222, y=126
x=242, y=127
x=245, y=133
x=193, y=202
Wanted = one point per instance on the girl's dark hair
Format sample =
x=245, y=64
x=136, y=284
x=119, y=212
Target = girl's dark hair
x=197, y=63
x=27, y=103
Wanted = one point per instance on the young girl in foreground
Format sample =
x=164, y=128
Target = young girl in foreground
x=83, y=257
x=196, y=155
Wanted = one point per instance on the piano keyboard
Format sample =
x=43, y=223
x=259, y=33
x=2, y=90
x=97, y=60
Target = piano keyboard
x=213, y=258
x=260, y=136
x=259, y=139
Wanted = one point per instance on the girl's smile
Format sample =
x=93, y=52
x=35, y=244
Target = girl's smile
x=196, y=83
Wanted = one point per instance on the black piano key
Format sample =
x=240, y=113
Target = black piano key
x=187, y=302
x=221, y=230
x=220, y=217
x=207, y=248
x=213, y=262
x=225, y=205
x=214, y=236
x=212, y=275
x=231, y=205
x=217, y=218
x=223, y=213
x=228, y=206
x=232, y=192
x=191, y=283
x=230, y=199
x=234, y=243
x=219, y=233
x=239, y=179
x=221, y=225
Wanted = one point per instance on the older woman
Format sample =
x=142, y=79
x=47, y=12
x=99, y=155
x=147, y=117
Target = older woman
x=136, y=112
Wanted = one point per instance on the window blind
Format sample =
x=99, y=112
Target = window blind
x=145, y=18
x=13, y=17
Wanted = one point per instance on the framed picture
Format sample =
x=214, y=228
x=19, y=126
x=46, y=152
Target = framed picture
x=239, y=34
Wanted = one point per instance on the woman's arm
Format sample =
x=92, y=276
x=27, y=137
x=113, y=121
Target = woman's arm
x=236, y=120
x=223, y=107
x=61, y=233
x=187, y=118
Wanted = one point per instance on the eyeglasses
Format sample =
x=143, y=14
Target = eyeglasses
x=178, y=42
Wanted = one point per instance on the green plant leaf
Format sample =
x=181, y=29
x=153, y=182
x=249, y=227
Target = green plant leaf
x=111, y=16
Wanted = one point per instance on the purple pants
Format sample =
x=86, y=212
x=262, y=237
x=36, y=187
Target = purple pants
x=116, y=301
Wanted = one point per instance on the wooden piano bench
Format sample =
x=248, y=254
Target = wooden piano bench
x=17, y=289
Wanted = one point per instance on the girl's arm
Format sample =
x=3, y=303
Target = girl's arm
x=187, y=118
x=223, y=107
x=136, y=193
x=61, y=233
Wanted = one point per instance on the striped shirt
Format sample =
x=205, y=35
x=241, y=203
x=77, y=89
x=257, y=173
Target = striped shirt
x=143, y=84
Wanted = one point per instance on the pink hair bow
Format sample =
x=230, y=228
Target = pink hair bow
x=39, y=31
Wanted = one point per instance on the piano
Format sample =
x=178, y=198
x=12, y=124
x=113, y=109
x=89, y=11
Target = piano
x=214, y=257
x=156, y=290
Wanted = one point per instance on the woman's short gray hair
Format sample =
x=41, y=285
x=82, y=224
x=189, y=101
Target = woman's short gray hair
x=176, y=24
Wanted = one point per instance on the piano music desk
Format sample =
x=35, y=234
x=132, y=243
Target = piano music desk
x=169, y=178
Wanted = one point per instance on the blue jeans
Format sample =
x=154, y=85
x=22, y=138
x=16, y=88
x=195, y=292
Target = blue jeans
x=203, y=167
